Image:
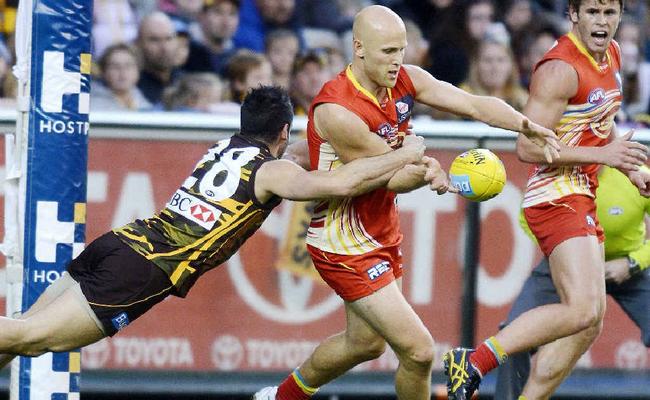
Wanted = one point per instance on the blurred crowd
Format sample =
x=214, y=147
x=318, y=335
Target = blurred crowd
x=203, y=55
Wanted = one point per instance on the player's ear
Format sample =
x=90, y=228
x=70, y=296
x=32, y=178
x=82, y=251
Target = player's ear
x=285, y=132
x=573, y=15
x=359, y=51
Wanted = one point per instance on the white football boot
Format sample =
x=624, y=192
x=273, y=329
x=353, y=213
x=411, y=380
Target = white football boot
x=267, y=393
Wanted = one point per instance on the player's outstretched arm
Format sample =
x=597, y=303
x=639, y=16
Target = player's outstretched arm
x=491, y=110
x=413, y=176
x=351, y=139
x=288, y=180
x=552, y=85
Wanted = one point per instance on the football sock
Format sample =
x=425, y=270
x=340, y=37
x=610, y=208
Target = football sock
x=295, y=388
x=488, y=356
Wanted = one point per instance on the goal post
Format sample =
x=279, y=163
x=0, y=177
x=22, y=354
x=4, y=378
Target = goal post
x=46, y=172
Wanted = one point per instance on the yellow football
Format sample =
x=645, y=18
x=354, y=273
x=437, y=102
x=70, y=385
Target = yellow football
x=478, y=174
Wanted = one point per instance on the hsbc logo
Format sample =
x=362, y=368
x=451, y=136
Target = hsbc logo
x=202, y=213
x=194, y=209
x=58, y=82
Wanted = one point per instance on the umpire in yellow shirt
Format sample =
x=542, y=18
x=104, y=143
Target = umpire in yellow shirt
x=621, y=211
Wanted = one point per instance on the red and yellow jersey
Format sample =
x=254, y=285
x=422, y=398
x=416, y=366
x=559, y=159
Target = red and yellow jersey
x=587, y=121
x=364, y=223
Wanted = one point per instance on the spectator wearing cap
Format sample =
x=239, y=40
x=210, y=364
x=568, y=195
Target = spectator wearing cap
x=119, y=73
x=309, y=75
x=246, y=70
x=158, y=45
x=281, y=50
x=258, y=17
x=211, y=46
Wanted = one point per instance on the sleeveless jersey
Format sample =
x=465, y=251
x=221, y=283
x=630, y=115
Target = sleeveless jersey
x=587, y=121
x=370, y=221
x=208, y=218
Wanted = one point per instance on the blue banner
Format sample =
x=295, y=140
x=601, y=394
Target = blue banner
x=55, y=208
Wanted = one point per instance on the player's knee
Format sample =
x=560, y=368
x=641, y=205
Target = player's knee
x=420, y=353
x=589, y=317
x=592, y=332
x=368, y=349
x=35, y=340
x=32, y=344
x=587, y=314
x=375, y=349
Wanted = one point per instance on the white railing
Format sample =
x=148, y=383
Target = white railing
x=203, y=127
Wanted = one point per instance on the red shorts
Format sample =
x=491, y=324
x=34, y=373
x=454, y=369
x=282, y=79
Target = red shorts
x=356, y=276
x=555, y=221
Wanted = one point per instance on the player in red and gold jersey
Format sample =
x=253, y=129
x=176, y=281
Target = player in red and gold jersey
x=355, y=242
x=576, y=90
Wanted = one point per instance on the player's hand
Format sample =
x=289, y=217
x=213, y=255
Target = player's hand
x=624, y=154
x=414, y=145
x=640, y=179
x=542, y=137
x=617, y=270
x=437, y=177
x=298, y=152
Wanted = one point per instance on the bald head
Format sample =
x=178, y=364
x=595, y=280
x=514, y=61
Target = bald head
x=376, y=20
x=379, y=43
x=157, y=42
x=157, y=21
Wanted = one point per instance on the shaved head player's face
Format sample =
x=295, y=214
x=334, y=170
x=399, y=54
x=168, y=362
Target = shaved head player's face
x=379, y=43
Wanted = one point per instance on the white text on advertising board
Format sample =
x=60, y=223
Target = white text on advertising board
x=57, y=83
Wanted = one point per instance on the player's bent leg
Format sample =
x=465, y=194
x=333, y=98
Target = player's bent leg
x=555, y=361
x=388, y=313
x=577, y=268
x=341, y=352
x=49, y=295
x=61, y=325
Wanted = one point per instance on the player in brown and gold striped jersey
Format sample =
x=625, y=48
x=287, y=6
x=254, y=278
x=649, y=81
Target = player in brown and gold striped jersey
x=232, y=189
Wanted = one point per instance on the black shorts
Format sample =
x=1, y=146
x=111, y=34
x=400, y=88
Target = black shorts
x=119, y=284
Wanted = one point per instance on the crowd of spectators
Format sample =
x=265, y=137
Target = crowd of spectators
x=203, y=55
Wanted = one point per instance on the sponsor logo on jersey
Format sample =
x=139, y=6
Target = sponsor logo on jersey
x=403, y=107
x=590, y=221
x=596, y=96
x=194, y=209
x=378, y=270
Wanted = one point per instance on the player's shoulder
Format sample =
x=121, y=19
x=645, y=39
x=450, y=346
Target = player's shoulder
x=555, y=77
x=556, y=67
